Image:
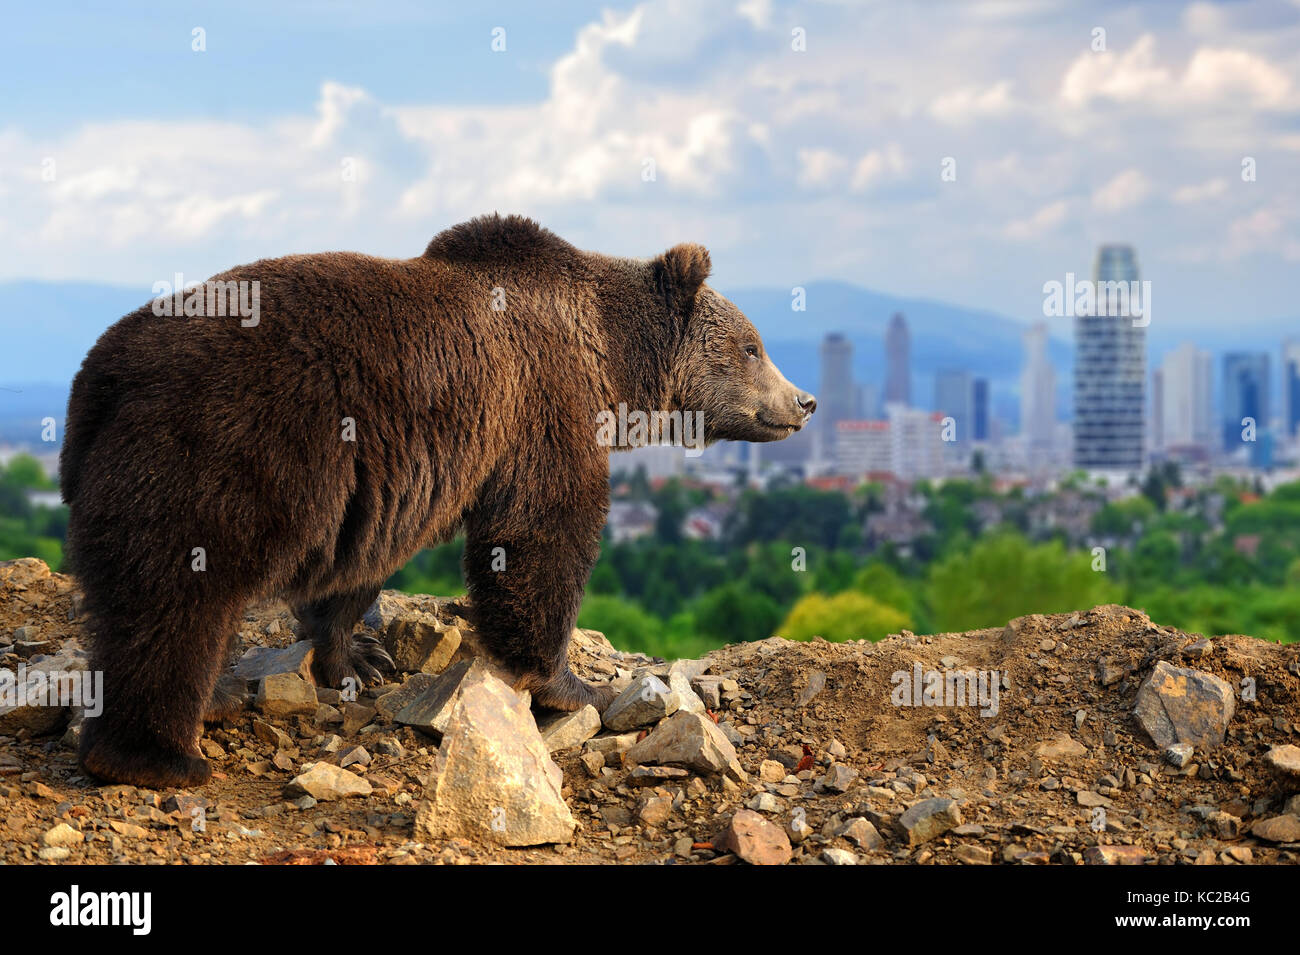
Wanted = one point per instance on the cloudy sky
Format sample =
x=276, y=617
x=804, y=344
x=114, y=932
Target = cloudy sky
x=126, y=155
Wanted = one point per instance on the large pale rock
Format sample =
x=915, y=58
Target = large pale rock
x=689, y=740
x=495, y=779
x=646, y=700
x=421, y=643
x=1181, y=705
x=431, y=709
x=1284, y=760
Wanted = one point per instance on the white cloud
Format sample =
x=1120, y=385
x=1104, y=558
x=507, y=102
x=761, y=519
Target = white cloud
x=1126, y=189
x=968, y=104
x=1043, y=221
x=1202, y=192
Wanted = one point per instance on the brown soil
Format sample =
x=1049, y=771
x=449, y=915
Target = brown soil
x=1017, y=806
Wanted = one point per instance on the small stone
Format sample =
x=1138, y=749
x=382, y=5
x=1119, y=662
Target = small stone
x=754, y=840
x=1090, y=799
x=1115, y=855
x=654, y=775
x=566, y=730
x=816, y=683
x=764, y=802
x=770, y=771
x=929, y=818
x=271, y=734
x=1063, y=746
x=832, y=856
x=646, y=700
x=63, y=835
x=593, y=763
x=1285, y=828
x=420, y=643
x=286, y=694
x=839, y=778
x=862, y=834
x=973, y=855
x=53, y=853
x=1179, y=755
x=708, y=690
x=656, y=811
x=260, y=662
x=356, y=755
x=325, y=782
x=689, y=740
x=1284, y=760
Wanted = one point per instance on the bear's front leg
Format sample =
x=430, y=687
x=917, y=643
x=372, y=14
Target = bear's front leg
x=528, y=554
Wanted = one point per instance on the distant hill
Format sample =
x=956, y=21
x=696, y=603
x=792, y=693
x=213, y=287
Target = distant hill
x=49, y=327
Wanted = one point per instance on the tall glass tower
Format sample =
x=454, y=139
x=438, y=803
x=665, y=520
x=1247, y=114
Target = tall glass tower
x=1110, y=375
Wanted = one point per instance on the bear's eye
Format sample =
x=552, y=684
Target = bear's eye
x=751, y=351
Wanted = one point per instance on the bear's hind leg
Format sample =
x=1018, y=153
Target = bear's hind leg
x=159, y=670
x=338, y=653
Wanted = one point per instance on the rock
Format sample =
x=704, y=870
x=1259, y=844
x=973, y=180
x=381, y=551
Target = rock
x=689, y=740
x=764, y=802
x=285, y=695
x=63, y=835
x=355, y=716
x=355, y=756
x=770, y=771
x=1284, y=760
x=1115, y=855
x=646, y=700
x=656, y=811
x=861, y=833
x=431, y=710
x=973, y=855
x=387, y=606
x=839, y=778
x=1285, y=828
x=754, y=840
x=420, y=643
x=653, y=775
x=593, y=763
x=495, y=779
x=325, y=782
x=1180, y=754
x=687, y=699
x=271, y=734
x=708, y=688
x=928, y=819
x=838, y=857
x=128, y=829
x=1063, y=746
x=816, y=683
x=260, y=662
x=1090, y=799
x=1181, y=705
x=566, y=730
x=53, y=853
x=1225, y=825
x=394, y=701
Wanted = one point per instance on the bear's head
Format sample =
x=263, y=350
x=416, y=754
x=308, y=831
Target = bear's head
x=720, y=367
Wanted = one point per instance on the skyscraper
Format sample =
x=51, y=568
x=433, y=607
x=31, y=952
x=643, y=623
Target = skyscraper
x=1183, y=402
x=953, y=397
x=980, y=409
x=838, y=395
x=898, y=362
x=1038, y=392
x=1110, y=375
x=1245, y=395
x=1291, y=388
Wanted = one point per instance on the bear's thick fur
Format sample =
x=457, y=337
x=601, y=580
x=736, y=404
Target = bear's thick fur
x=470, y=379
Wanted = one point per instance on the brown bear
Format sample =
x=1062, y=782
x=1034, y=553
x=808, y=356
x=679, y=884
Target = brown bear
x=371, y=408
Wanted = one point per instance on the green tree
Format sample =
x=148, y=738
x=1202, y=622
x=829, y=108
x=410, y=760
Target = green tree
x=846, y=616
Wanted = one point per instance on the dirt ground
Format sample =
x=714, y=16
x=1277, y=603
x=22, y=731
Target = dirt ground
x=1058, y=773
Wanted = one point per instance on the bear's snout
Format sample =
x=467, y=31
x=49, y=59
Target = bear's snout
x=807, y=403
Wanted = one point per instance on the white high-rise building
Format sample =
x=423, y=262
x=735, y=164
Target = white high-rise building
x=1185, y=400
x=1037, y=392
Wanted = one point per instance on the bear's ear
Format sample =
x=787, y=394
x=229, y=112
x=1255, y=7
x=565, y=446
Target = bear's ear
x=681, y=271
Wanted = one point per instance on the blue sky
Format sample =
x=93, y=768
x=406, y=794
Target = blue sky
x=125, y=156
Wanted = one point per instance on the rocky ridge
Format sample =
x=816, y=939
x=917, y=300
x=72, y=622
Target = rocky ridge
x=1091, y=738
